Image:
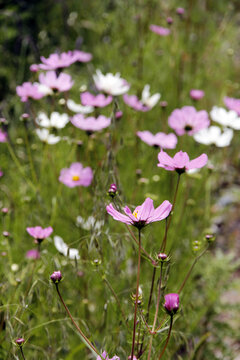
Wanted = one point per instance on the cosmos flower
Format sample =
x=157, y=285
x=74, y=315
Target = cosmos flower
x=78, y=108
x=3, y=136
x=63, y=60
x=143, y=214
x=188, y=120
x=99, y=100
x=45, y=136
x=63, y=82
x=165, y=141
x=39, y=233
x=171, y=303
x=29, y=90
x=64, y=249
x=110, y=84
x=162, y=31
x=76, y=175
x=225, y=118
x=232, y=104
x=196, y=94
x=90, y=124
x=33, y=254
x=214, y=135
x=105, y=356
x=146, y=103
x=180, y=162
x=56, y=120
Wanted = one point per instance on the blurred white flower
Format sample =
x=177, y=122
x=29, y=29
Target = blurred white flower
x=64, y=249
x=147, y=99
x=110, y=84
x=90, y=223
x=44, y=89
x=225, y=118
x=56, y=120
x=77, y=108
x=214, y=135
x=45, y=136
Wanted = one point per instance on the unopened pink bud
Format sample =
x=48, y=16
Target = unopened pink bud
x=162, y=256
x=56, y=277
x=20, y=341
x=171, y=303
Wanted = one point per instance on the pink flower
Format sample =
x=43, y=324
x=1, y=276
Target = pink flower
x=63, y=82
x=90, y=123
x=29, y=90
x=180, y=11
x=76, y=175
x=3, y=136
x=105, y=356
x=1, y=173
x=162, y=31
x=171, y=303
x=180, y=162
x=99, y=100
x=33, y=254
x=143, y=214
x=196, y=94
x=135, y=103
x=165, y=141
x=188, y=120
x=65, y=59
x=39, y=233
x=34, y=68
x=232, y=104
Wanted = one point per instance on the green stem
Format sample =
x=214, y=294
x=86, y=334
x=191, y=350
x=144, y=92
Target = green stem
x=34, y=176
x=168, y=337
x=87, y=342
x=137, y=242
x=136, y=298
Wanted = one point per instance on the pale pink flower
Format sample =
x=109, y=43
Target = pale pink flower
x=147, y=101
x=196, y=94
x=63, y=82
x=180, y=162
x=171, y=303
x=188, y=120
x=63, y=60
x=29, y=90
x=134, y=103
x=143, y=214
x=39, y=233
x=232, y=104
x=165, y=141
x=105, y=356
x=81, y=56
x=3, y=136
x=91, y=123
x=180, y=11
x=76, y=175
x=33, y=254
x=99, y=100
x=162, y=31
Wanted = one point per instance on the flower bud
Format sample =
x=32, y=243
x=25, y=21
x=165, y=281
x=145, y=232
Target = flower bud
x=180, y=11
x=34, y=68
x=163, y=104
x=20, y=341
x=5, y=210
x=162, y=256
x=112, y=190
x=56, y=277
x=6, y=234
x=210, y=237
x=171, y=303
x=169, y=20
x=118, y=114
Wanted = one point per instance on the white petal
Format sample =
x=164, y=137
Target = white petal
x=77, y=108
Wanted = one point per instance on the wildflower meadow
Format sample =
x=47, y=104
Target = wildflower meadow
x=119, y=180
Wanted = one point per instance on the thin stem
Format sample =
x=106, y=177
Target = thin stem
x=156, y=313
x=164, y=242
x=191, y=269
x=22, y=353
x=34, y=176
x=136, y=298
x=136, y=241
x=168, y=337
x=89, y=344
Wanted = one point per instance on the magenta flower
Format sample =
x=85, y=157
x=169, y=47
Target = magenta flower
x=105, y=356
x=232, y=104
x=63, y=82
x=99, y=100
x=91, y=123
x=3, y=136
x=180, y=162
x=76, y=175
x=56, y=277
x=165, y=141
x=39, y=233
x=143, y=214
x=171, y=303
x=197, y=94
x=180, y=11
x=33, y=254
x=188, y=120
x=20, y=341
x=1, y=173
x=162, y=31
x=135, y=103
x=29, y=90
x=63, y=60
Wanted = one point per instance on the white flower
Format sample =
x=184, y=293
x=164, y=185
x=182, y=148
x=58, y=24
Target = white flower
x=56, y=120
x=214, y=135
x=44, y=135
x=111, y=84
x=90, y=223
x=64, y=249
x=77, y=108
x=225, y=118
x=44, y=89
x=149, y=101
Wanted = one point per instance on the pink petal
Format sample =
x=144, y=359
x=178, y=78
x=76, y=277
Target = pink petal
x=117, y=215
x=161, y=212
x=198, y=163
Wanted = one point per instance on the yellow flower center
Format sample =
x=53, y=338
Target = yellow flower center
x=75, y=178
x=135, y=213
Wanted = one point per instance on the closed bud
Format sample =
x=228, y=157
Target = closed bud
x=56, y=277
x=171, y=304
x=20, y=341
